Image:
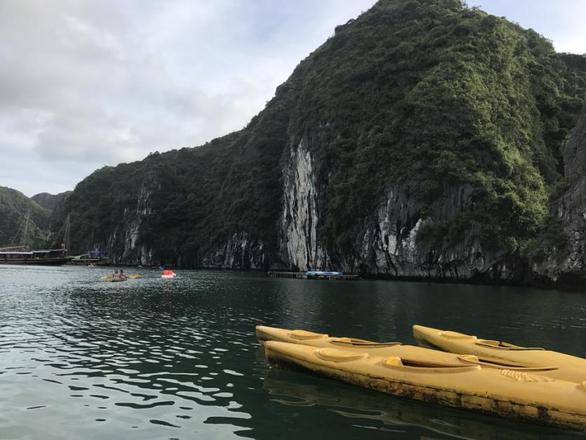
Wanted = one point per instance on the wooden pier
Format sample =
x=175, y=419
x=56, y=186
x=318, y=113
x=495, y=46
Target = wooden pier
x=305, y=276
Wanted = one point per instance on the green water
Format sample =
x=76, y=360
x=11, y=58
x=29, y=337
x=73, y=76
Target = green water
x=178, y=359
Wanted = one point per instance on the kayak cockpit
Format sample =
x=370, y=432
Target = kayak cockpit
x=500, y=345
x=355, y=342
x=413, y=365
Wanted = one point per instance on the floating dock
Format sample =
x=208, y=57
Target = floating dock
x=306, y=276
x=86, y=261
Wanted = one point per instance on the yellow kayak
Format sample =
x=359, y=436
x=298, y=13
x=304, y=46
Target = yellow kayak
x=508, y=393
x=409, y=353
x=113, y=279
x=570, y=368
x=118, y=279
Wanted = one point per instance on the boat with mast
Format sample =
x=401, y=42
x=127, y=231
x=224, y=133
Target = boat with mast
x=23, y=254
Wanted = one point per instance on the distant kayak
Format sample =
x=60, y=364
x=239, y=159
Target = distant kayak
x=113, y=279
x=118, y=278
x=168, y=273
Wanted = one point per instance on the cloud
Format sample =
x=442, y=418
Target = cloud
x=85, y=83
x=90, y=83
x=560, y=22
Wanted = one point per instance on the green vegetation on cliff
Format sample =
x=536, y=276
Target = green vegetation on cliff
x=417, y=96
x=428, y=95
x=15, y=207
x=50, y=201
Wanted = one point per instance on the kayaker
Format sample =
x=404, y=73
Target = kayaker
x=168, y=273
x=122, y=276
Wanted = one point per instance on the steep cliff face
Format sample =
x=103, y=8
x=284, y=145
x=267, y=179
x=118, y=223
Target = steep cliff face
x=132, y=249
x=424, y=139
x=240, y=252
x=571, y=208
x=300, y=246
x=397, y=244
x=564, y=259
x=112, y=216
x=394, y=242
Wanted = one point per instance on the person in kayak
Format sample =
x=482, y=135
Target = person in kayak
x=168, y=273
x=119, y=276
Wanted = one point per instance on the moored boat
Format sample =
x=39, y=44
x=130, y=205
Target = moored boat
x=84, y=260
x=48, y=257
x=504, y=392
x=323, y=275
x=571, y=368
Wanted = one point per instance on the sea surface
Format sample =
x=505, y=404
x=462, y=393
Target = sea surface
x=81, y=358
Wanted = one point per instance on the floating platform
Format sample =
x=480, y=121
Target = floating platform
x=85, y=261
x=312, y=276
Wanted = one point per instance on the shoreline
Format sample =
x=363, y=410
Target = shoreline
x=567, y=282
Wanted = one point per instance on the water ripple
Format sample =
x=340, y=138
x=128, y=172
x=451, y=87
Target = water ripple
x=150, y=360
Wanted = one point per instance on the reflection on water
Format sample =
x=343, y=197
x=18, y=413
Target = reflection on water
x=152, y=358
x=389, y=414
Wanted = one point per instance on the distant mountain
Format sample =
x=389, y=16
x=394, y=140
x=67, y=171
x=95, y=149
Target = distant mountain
x=22, y=220
x=424, y=139
x=49, y=201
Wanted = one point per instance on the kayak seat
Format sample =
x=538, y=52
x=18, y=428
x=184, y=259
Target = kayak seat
x=425, y=366
x=393, y=361
x=334, y=355
x=304, y=335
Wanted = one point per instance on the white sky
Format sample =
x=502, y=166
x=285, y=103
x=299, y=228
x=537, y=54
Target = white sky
x=87, y=83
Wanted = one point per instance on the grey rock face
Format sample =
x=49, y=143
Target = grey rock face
x=239, y=253
x=394, y=244
x=300, y=247
x=570, y=209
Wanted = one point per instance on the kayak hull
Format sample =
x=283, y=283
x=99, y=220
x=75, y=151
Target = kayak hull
x=114, y=280
x=505, y=393
x=570, y=368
